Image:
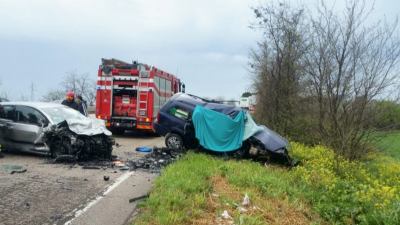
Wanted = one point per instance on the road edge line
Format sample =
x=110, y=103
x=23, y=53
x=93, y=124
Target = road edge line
x=118, y=181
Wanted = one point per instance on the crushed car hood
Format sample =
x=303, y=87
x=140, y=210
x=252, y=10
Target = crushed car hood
x=271, y=140
x=88, y=126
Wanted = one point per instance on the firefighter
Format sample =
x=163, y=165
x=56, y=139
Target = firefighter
x=70, y=100
x=82, y=106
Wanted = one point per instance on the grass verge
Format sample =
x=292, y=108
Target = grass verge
x=389, y=143
x=198, y=188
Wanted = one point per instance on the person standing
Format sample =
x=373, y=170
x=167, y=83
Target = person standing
x=70, y=100
x=82, y=107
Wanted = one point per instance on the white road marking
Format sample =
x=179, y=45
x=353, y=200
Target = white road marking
x=119, y=180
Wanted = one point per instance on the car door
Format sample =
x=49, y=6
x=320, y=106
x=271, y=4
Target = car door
x=177, y=117
x=7, y=118
x=27, y=125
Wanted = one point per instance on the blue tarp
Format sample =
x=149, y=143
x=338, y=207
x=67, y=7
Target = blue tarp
x=250, y=127
x=217, y=131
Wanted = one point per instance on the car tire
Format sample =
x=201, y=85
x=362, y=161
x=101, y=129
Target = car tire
x=243, y=152
x=59, y=149
x=174, y=141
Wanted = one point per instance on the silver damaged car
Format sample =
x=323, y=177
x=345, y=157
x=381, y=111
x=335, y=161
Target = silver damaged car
x=54, y=129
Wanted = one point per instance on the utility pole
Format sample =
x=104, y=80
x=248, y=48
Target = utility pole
x=32, y=92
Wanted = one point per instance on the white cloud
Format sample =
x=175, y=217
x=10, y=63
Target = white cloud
x=167, y=22
x=207, y=41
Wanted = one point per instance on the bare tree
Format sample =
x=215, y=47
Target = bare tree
x=317, y=74
x=81, y=84
x=33, y=90
x=53, y=96
x=349, y=64
x=24, y=98
x=3, y=94
x=278, y=65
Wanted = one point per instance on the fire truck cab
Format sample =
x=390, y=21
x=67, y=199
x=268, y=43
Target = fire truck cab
x=129, y=95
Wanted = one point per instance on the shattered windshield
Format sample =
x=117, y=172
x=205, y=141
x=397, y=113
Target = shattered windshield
x=59, y=114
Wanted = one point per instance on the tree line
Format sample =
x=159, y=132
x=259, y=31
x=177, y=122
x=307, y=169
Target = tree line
x=321, y=73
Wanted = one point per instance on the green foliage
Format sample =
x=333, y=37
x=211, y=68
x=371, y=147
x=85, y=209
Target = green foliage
x=246, y=94
x=315, y=83
x=385, y=114
x=359, y=192
x=347, y=192
x=179, y=193
x=388, y=142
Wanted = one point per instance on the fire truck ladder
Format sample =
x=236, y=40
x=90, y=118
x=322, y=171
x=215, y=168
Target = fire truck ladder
x=142, y=97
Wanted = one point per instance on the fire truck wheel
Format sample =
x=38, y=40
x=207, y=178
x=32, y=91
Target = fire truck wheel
x=174, y=141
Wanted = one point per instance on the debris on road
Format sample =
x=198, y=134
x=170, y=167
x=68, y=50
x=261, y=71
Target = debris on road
x=124, y=168
x=11, y=169
x=118, y=163
x=65, y=159
x=106, y=178
x=144, y=149
x=156, y=160
x=90, y=167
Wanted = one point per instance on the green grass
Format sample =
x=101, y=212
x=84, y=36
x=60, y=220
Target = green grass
x=389, y=143
x=313, y=193
x=180, y=194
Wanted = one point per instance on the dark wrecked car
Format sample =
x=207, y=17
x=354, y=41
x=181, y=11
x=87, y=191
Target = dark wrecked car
x=175, y=122
x=50, y=128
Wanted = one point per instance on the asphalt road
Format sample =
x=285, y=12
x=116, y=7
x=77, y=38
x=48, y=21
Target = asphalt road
x=53, y=193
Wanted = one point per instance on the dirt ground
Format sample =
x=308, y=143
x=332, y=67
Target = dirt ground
x=50, y=193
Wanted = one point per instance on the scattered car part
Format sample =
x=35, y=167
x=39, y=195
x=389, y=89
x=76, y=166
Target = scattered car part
x=225, y=215
x=90, y=167
x=156, y=160
x=144, y=149
x=65, y=159
x=11, y=169
x=246, y=200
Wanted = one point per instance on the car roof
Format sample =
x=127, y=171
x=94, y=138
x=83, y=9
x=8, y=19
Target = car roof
x=193, y=100
x=33, y=104
x=182, y=97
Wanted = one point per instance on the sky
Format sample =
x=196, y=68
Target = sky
x=205, y=43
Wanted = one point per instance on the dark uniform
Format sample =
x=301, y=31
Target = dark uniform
x=82, y=107
x=72, y=104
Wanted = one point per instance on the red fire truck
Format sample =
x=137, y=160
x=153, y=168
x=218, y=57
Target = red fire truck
x=129, y=95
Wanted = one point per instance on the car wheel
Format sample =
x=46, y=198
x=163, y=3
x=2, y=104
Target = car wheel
x=58, y=149
x=174, y=141
x=243, y=152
